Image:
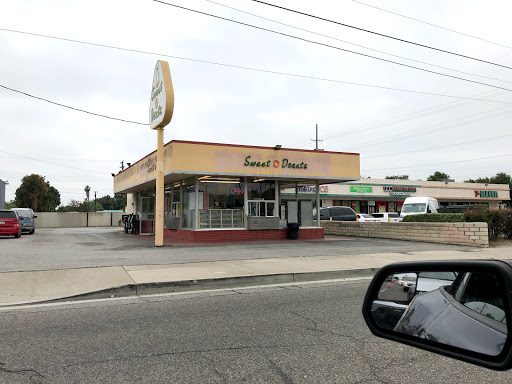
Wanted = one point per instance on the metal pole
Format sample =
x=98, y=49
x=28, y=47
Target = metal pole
x=159, y=206
x=316, y=136
x=196, y=203
x=317, y=204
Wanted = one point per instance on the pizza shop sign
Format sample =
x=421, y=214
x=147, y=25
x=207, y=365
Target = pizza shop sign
x=285, y=163
x=398, y=190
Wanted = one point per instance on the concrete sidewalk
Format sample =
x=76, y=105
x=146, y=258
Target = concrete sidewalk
x=42, y=286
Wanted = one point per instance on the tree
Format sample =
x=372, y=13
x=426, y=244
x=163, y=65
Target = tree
x=87, y=189
x=32, y=192
x=438, y=176
x=37, y=193
x=398, y=177
x=52, y=200
x=10, y=204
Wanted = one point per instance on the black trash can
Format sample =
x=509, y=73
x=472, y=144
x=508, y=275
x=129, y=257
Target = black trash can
x=293, y=231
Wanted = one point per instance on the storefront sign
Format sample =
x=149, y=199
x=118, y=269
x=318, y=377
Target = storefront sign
x=397, y=190
x=275, y=163
x=486, y=194
x=161, y=105
x=149, y=165
x=323, y=189
x=237, y=191
x=371, y=203
x=361, y=189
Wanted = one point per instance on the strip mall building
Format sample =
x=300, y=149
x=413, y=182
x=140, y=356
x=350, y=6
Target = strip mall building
x=234, y=192
x=383, y=195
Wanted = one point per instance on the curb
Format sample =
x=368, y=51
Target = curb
x=206, y=284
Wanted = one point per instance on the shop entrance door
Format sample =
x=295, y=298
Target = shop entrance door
x=147, y=215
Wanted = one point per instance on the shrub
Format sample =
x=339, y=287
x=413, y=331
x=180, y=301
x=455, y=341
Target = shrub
x=494, y=218
x=435, y=218
x=507, y=223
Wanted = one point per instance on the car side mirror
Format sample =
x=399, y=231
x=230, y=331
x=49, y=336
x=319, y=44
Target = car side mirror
x=460, y=309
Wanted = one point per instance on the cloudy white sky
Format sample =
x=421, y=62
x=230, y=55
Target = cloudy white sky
x=395, y=132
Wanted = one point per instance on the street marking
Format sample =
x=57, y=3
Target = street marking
x=96, y=235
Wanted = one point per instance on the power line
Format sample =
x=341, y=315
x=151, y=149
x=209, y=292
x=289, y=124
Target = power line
x=357, y=45
x=49, y=162
x=383, y=35
x=403, y=118
x=332, y=46
x=251, y=68
x=433, y=25
x=438, y=147
x=73, y=108
x=422, y=131
x=427, y=165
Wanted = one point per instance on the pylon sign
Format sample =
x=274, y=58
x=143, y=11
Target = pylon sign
x=161, y=105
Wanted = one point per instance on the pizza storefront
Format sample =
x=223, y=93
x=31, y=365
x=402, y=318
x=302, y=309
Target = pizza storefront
x=232, y=192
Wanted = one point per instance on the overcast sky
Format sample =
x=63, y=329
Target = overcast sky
x=217, y=103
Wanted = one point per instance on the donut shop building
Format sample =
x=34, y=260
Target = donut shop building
x=230, y=192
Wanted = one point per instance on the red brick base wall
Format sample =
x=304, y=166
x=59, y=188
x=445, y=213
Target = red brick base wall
x=241, y=235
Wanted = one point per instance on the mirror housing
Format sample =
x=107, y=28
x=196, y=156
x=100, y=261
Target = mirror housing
x=391, y=323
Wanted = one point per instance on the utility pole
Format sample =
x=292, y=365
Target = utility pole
x=316, y=147
x=95, y=201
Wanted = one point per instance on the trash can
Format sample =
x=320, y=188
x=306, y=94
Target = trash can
x=293, y=231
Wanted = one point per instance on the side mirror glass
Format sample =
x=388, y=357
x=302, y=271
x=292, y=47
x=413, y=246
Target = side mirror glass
x=459, y=309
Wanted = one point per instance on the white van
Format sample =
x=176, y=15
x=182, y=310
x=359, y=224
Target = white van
x=419, y=205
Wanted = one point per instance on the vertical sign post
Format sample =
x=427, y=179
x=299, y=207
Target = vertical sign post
x=161, y=107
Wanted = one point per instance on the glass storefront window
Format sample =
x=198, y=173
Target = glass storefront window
x=261, y=190
x=189, y=201
x=221, y=203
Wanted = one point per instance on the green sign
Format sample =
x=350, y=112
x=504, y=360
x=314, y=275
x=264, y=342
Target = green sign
x=361, y=189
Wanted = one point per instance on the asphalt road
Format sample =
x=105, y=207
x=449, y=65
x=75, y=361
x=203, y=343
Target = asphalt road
x=309, y=333
x=60, y=248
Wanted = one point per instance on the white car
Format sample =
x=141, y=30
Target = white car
x=365, y=217
x=388, y=216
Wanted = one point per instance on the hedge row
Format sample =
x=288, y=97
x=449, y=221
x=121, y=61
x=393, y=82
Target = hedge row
x=499, y=221
x=435, y=218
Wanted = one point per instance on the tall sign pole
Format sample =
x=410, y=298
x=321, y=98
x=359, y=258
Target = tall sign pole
x=161, y=108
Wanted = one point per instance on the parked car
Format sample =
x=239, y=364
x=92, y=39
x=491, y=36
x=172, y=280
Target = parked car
x=387, y=216
x=337, y=214
x=365, y=217
x=9, y=223
x=26, y=216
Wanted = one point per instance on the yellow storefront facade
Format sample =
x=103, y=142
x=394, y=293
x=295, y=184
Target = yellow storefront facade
x=223, y=191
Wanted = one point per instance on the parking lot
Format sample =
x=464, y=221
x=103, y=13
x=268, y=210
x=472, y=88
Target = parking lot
x=59, y=248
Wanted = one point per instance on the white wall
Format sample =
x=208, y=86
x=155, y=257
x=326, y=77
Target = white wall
x=77, y=219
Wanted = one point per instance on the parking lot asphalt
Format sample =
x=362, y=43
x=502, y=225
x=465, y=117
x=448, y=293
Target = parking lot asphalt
x=62, y=248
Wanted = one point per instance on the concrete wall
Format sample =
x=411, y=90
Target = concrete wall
x=472, y=234
x=77, y=219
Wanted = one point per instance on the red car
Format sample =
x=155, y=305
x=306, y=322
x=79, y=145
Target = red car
x=9, y=223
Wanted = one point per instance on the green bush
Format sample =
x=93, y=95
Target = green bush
x=507, y=223
x=494, y=218
x=435, y=218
